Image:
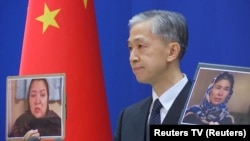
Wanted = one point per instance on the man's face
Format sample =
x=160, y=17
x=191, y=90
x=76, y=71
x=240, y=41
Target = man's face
x=147, y=54
x=38, y=98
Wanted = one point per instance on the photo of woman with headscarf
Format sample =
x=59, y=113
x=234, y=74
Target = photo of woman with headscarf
x=38, y=120
x=213, y=110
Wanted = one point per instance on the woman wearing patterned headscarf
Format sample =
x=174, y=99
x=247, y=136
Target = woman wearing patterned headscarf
x=213, y=110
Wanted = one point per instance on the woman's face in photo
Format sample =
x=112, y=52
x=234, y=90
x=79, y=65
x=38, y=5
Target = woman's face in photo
x=38, y=98
x=220, y=91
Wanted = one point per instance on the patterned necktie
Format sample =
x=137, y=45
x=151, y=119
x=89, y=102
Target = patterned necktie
x=155, y=118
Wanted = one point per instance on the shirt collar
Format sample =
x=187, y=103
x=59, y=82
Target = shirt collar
x=168, y=97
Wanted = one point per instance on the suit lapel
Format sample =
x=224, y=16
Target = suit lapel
x=175, y=111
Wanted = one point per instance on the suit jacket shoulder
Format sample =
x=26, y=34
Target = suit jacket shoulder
x=175, y=111
x=132, y=123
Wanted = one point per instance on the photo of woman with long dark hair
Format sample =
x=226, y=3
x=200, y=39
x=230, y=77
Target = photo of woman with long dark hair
x=38, y=120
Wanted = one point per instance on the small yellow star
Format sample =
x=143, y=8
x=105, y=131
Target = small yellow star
x=48, y=18
x=85, y=3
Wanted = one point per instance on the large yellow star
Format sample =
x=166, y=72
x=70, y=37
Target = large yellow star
x=85, y=3
x=48, y=18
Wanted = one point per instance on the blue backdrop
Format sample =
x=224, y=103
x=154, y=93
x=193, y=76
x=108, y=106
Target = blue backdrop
x=218, y=33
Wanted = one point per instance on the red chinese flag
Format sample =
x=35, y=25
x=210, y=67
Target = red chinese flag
x=61, y=37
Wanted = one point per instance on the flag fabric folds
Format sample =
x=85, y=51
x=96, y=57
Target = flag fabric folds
x=61, y=37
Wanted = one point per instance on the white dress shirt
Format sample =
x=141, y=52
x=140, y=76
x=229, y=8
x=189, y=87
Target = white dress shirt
x=168, y=97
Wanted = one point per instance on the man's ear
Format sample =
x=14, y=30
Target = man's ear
x=174, y=51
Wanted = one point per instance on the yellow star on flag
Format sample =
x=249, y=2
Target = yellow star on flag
x=48, y=18
x=85, y=3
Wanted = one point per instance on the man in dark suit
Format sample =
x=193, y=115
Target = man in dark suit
x=157, y=42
